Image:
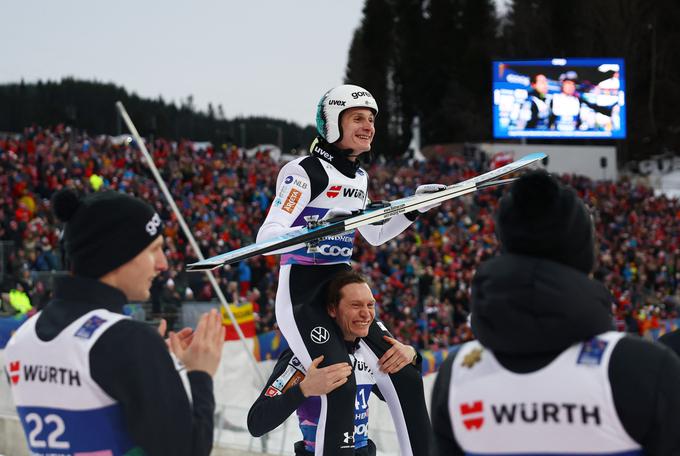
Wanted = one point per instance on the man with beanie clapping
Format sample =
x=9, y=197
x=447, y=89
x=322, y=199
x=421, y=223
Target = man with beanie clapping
x=109, y=384
x=547, y=373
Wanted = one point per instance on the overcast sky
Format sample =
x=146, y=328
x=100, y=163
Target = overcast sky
x=270, y=57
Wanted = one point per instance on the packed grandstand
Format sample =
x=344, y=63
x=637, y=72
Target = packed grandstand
x=421, y=280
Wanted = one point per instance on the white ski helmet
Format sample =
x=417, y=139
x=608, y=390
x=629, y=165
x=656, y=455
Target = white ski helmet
x=334, y=102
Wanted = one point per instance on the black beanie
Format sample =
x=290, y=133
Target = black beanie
x=543, y=218
x=104, y=230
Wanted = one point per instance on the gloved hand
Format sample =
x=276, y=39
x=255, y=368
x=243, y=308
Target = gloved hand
x=313, y=221
x=429, y=188
x=335, y=212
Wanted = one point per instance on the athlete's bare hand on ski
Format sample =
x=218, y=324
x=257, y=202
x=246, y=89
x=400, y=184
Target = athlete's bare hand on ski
x=429, y=188
x=204, y=351
x=323, y=380
x=396, y=357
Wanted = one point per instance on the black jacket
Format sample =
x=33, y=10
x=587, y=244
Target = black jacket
x=130, y=362
x=672, y=340
x=268, y=412
x=528, y=310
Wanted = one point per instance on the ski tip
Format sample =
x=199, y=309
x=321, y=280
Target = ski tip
x=534, y=156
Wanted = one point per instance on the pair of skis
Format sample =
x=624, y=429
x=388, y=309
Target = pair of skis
x=368, y=216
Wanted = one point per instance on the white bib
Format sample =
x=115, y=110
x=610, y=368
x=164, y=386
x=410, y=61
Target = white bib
x=564, y=408
x=61, y=407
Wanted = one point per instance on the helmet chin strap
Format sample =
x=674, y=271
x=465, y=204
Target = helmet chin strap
x=361, y=157
x=334, y=155
x=354, y=154
x=365, y=158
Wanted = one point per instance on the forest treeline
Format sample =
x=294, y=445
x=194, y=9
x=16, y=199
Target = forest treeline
x=430, y=58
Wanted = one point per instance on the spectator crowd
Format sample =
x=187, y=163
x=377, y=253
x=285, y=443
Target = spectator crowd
x=421, y=280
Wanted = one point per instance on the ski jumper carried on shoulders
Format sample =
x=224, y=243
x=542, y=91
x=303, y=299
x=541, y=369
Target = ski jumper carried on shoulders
x=307, y=188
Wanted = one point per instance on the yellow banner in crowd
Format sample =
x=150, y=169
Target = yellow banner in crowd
x=244, y=317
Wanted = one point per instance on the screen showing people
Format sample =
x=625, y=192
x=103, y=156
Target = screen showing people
x=559, y=98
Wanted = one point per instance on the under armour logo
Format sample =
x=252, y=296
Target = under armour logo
x=320, y=335
x=348, y=437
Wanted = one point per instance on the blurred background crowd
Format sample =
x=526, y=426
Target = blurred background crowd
x=421, y=280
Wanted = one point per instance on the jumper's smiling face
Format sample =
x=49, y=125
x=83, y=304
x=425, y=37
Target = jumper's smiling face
x=355, y=311
x=358, y=127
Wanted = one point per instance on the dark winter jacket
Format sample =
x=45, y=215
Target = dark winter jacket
x=130, y=362
x=528, y=310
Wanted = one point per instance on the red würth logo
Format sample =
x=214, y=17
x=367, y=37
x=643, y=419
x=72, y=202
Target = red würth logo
x=14, y=371
x=333, y=191
x=473, y=415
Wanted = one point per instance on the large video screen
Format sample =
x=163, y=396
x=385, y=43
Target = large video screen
x=559, y=98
